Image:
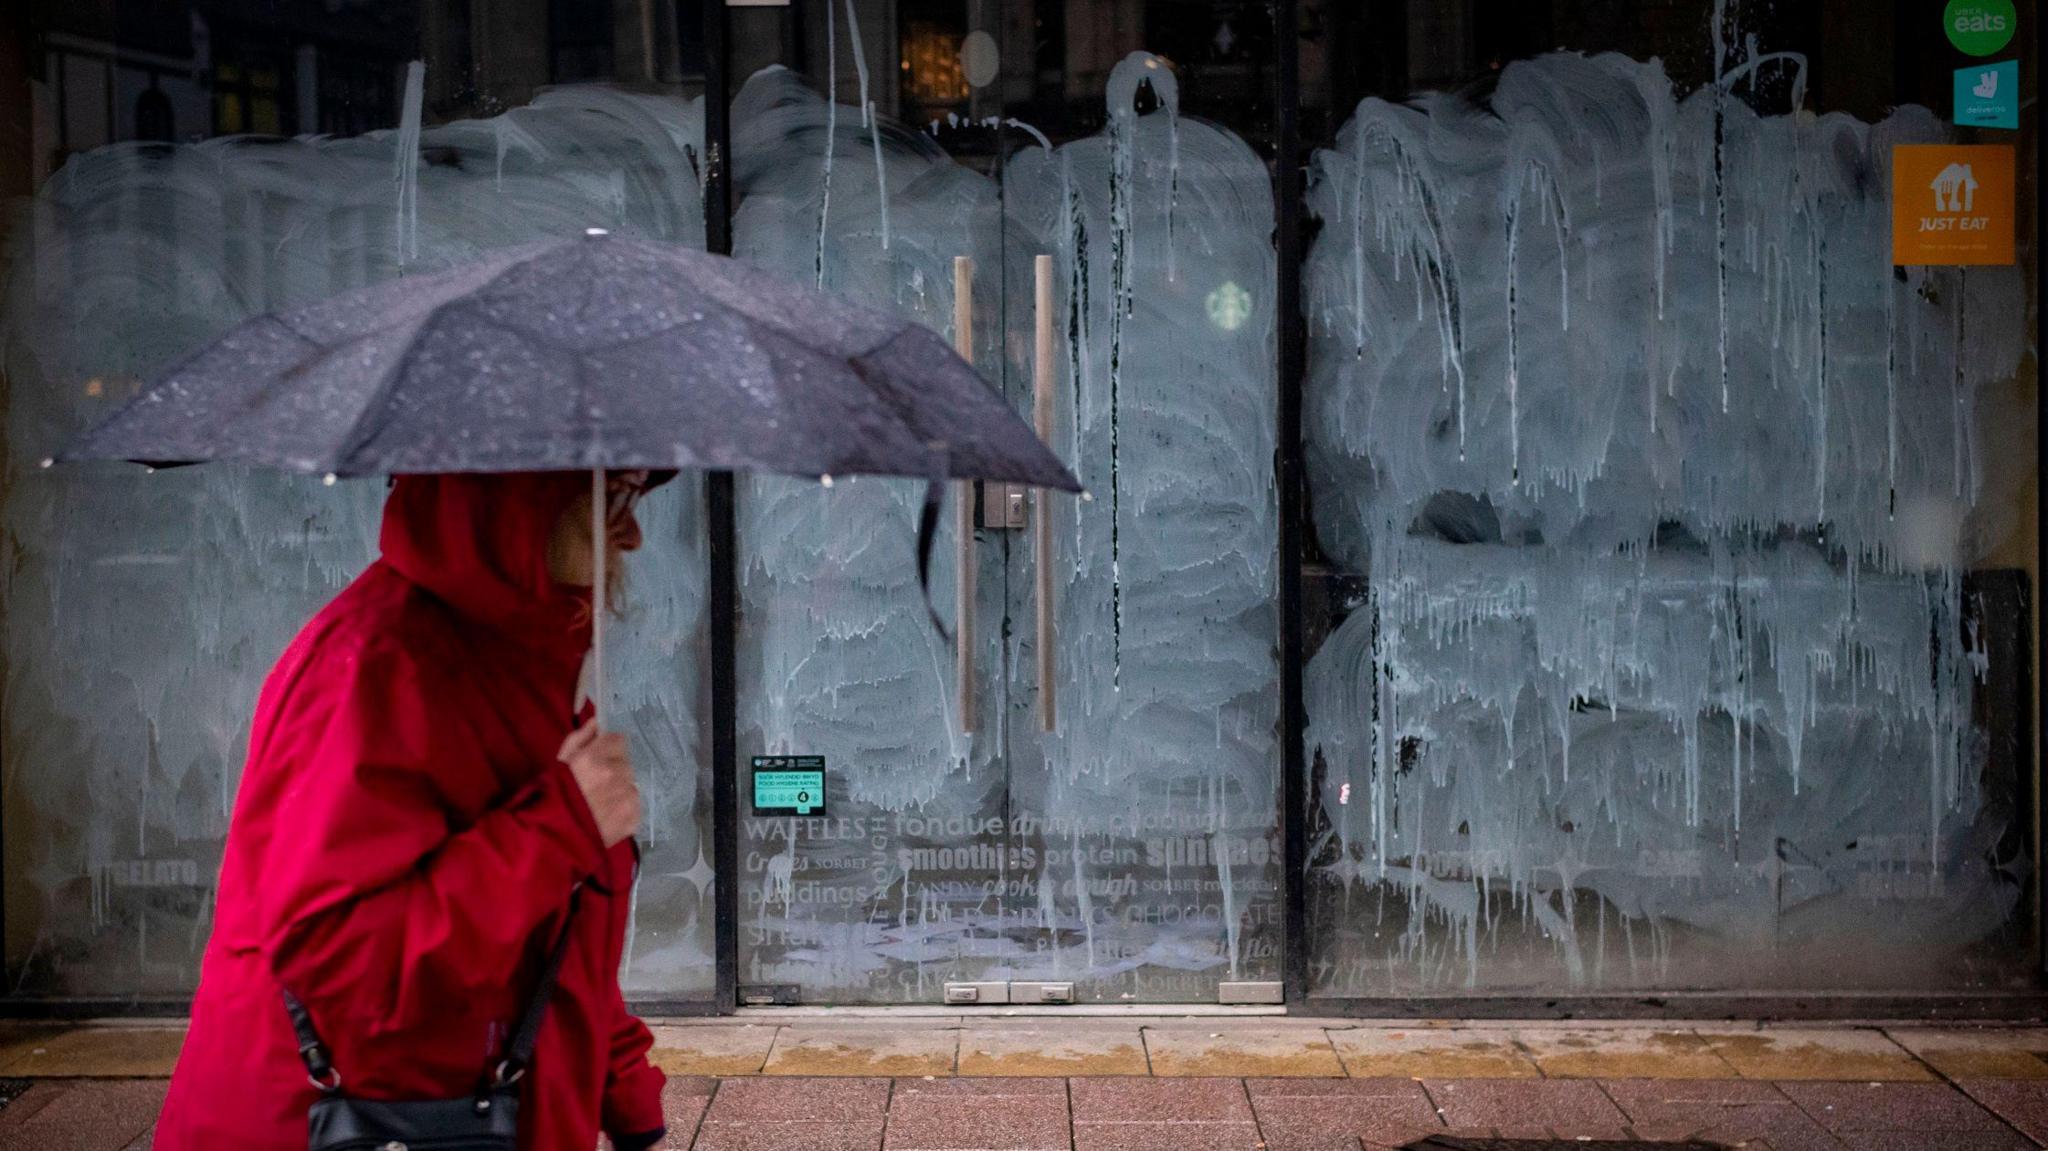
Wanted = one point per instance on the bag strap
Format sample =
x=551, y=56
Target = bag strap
x=521, y=1052
x=320, y=1069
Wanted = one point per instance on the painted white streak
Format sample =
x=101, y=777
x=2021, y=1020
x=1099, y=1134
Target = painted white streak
x=1581, y=591
x=142, y=611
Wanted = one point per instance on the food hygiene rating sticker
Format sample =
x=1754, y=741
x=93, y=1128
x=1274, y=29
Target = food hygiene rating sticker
x=789, y=785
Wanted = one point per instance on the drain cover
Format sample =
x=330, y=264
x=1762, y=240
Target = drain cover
x=1455, y=1143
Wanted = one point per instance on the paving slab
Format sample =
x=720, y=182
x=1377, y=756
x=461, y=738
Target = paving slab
x=1979, y=1052
x=1432, y=1053
x=2022, y=1103
x=1052, y=1049
x=21, y=1105
x=1731, y=1112
x=1610, y=1053
x=1921, y=1107
x=1162, y=1115
x=1479, y=1141
x=1934, y=1141
x=1341, y=1114
x=789, y=1135
x=88, y=1117
x=863, y=1050
x=1177, y=1100
x=1167, y=1137
x=991, y=1088
x=978, y=1119
x=741, y=1100
x=683, y=1102
x=1839, y=1054
x=101, y=1053
x=1238, y=1051
x=1528, y=1108
x=737, y=1050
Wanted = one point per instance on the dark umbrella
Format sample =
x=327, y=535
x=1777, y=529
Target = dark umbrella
x=601, y=352
x=596, y=352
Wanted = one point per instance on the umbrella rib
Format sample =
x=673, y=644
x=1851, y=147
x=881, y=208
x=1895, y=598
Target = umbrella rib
x=853, y=368
x=357, y=435
x=134, y=403
x=899, y=410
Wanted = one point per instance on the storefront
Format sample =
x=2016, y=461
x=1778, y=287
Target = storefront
x=1563, y=497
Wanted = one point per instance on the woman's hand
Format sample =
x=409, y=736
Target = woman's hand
x=604, y=771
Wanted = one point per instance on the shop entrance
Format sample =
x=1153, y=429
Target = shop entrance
x=972, y=848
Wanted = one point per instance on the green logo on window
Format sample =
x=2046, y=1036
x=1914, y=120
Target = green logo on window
x=1980, y=27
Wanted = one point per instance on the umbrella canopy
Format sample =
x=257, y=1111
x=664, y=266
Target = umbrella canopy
x=594, y=352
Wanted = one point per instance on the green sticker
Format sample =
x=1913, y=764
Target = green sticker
x=1980, y=27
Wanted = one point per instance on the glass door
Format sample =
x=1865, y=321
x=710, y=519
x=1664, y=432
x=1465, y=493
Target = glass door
x=1126, y=847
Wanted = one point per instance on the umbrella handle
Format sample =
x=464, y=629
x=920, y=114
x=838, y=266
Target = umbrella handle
x=599, y=558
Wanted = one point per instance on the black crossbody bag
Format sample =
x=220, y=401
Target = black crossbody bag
x=485, y=1120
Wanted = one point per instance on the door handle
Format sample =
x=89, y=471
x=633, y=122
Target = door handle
x=963, y=511
x=1041, y=527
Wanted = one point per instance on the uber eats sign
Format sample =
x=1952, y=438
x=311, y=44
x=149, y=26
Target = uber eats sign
x=1980, y=27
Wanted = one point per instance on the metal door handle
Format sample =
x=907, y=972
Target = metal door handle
x=1041, y=528
x=963, y=510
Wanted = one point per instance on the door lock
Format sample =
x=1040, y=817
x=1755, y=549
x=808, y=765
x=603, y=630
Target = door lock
x=1004, y=506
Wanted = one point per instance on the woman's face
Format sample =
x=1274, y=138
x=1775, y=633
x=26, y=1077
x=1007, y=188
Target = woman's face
x=570, y=559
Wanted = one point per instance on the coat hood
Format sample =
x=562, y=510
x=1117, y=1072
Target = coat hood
x=479, y=543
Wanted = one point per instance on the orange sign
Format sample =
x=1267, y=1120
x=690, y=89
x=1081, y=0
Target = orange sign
x=1952, y=204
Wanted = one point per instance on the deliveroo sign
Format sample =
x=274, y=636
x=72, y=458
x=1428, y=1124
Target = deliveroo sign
x=1979, y=27
x=1988, y=95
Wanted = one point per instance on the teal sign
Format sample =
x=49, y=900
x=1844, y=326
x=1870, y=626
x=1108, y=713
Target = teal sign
x=789, y=785
x=1980, y=27
x=1988, y=95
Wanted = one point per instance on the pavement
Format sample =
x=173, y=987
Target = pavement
x=1003, y=1082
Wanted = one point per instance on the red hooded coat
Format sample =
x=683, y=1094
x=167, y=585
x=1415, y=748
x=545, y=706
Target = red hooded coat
x=405, y=842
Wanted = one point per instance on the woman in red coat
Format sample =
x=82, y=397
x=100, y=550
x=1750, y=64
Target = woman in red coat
x=415, y=813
